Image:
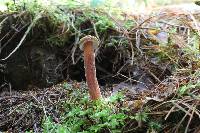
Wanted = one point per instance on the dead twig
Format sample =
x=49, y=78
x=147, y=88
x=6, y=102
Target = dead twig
x=24, y=37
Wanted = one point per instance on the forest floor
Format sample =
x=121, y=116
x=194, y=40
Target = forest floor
x=147, y=67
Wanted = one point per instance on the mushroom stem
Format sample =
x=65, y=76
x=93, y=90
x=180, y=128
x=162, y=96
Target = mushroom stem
x=90, y=69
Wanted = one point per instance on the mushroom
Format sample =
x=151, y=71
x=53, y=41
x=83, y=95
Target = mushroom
x=88, y=44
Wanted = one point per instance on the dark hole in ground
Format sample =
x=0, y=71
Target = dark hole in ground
x=40, y=65
x=35, y=64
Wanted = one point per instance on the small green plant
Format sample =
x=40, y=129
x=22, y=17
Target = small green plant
x=101, y=21
x=188, y=87
x=182, y=90
x=141, y=116
x=154, y=126
x=129, y=24
x=82, y=115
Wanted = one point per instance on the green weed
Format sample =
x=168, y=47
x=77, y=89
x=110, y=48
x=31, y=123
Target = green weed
x=187, y=88
x=82, y=115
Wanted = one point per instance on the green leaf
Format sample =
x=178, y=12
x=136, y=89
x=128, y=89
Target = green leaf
x=116, y=97
x=184, y=89
x=74, y=112
x=67, y=86
x=141, y=116
x=103, y=113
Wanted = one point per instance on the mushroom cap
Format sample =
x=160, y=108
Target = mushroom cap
x=89, y=38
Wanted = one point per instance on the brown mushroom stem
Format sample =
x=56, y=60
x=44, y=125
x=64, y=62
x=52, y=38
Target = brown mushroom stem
x=90, y=70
